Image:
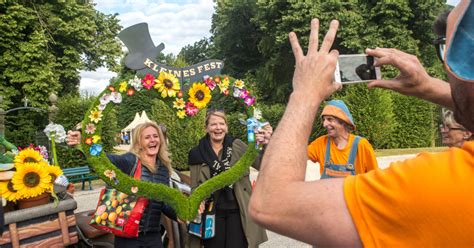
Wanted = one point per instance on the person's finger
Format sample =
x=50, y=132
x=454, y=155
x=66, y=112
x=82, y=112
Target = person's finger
x=295, y=46
x=313, y=37
x=386, y=84
x=330, y=36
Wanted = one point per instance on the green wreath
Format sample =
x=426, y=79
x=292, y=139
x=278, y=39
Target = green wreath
x=197, y=98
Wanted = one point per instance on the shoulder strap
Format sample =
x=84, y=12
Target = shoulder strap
x=327, y=157
x=353, y=152
x=136, y=171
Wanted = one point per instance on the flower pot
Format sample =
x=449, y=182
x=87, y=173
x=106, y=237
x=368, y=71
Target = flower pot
x=34, y=201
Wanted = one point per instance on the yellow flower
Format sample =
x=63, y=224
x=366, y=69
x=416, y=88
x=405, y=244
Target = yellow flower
x=8, y=192
x=31, y=180
x=239, y=84
x=54, y=172
x=179, y=103
x=27, y=155
x=199, y=95
x=95, y=116
x=123, y=86
x=181, y=114
x=224, y=84
x=95, y=139
x=167, y=84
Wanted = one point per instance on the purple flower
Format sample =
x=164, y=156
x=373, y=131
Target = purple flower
x=209, y=82
x=244, y=93
x=249, y=101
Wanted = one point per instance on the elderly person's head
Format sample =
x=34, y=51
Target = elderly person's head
x=459, y=61
x=216, y=125
x=148, y=141
x=453, y=133
x=337, y=119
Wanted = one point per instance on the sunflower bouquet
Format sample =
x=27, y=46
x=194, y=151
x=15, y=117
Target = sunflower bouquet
x=32, y=176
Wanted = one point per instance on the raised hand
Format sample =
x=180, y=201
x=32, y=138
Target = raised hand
x=314, y=73
x=73, y=138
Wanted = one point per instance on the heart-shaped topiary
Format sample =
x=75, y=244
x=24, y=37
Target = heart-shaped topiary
x=199, y=96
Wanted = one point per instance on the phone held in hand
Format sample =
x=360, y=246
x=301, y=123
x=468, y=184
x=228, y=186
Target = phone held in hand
x=356, y=68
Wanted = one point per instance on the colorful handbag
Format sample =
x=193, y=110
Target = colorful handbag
x=119, y=213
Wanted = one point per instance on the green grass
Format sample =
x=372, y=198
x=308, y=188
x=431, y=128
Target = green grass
x=391, y=152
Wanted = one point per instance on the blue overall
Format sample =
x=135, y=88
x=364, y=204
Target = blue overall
x=340, y=170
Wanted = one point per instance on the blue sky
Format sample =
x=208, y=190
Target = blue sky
x=175, y=23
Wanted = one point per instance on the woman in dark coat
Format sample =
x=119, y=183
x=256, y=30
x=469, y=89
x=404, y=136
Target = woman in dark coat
x=217, y=152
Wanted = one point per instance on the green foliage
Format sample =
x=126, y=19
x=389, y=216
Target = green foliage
x=415, y=120
x=182, y=135
x=67, y=118
x=69, y=157
x=22, y=129
x=372, y=111
x=44, y=44
x=201, y=50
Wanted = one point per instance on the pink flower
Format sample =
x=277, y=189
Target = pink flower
x=249, y=100
x=191, y=110
x=148, y=81
x=244, y=93
x=209, y=82
x=90, y=128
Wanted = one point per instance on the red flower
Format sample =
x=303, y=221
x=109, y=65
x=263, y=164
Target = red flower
x=191, y=110
x=111, y=88
x=148, y=81
x=89, y=141
x=180, y=94
x=130, y=92
x=211, y=84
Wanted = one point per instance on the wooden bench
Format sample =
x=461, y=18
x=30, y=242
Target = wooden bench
x=80, y=174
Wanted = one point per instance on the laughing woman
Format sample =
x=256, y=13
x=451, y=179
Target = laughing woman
x=150, y=149
x=217, y=152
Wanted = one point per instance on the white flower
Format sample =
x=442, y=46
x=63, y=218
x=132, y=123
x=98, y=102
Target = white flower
x=57, y=131
x=136, y=83
x=105, y=99
x=101, y=107
x=257, y=113
x=116, y=97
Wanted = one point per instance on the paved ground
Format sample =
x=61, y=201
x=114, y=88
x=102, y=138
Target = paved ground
x=87, y=200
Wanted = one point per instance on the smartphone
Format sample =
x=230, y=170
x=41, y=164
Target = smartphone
x=356, y=68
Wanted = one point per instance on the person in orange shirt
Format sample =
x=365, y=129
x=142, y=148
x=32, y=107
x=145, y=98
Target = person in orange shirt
x=340, y=153
x=421, y=202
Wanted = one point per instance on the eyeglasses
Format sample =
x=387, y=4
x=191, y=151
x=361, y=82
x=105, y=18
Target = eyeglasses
x=440, y=46
x=447, y=128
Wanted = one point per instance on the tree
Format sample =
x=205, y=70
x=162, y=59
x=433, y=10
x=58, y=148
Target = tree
x=44, y=44
x=201, y=50
x=236, y=37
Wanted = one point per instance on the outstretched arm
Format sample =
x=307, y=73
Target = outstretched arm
x=314, y=212
x=413, y=79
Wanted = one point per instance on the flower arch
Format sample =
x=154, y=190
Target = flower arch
x=186, y=103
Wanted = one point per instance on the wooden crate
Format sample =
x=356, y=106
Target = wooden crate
x=42, y=226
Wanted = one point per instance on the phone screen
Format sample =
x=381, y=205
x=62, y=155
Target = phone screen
x=356, y=68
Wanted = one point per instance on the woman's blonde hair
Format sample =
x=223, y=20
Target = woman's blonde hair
x=163, y=153
x=448, y=117
x=215, y=113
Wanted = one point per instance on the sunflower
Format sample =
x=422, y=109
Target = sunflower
x=31, y=180
x=54, y=172
x=27, y=155
x=167, y=84
x=8, y=192
x=199, y=95
x=179, y=103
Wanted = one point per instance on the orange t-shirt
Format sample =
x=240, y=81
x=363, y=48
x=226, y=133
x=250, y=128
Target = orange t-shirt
x=427, y=201
x=365, y=159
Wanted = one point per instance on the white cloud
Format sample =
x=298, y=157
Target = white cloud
x=175, y=23
x=452, y=2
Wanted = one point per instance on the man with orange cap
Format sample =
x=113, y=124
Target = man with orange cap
x=426, y=201
x=340, y=153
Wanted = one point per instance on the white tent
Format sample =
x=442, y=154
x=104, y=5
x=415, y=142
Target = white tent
x=139, y=119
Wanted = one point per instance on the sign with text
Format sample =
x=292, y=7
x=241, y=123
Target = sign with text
x=142, y=57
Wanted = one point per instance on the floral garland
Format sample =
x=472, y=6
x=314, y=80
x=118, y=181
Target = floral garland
x=197, y=98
